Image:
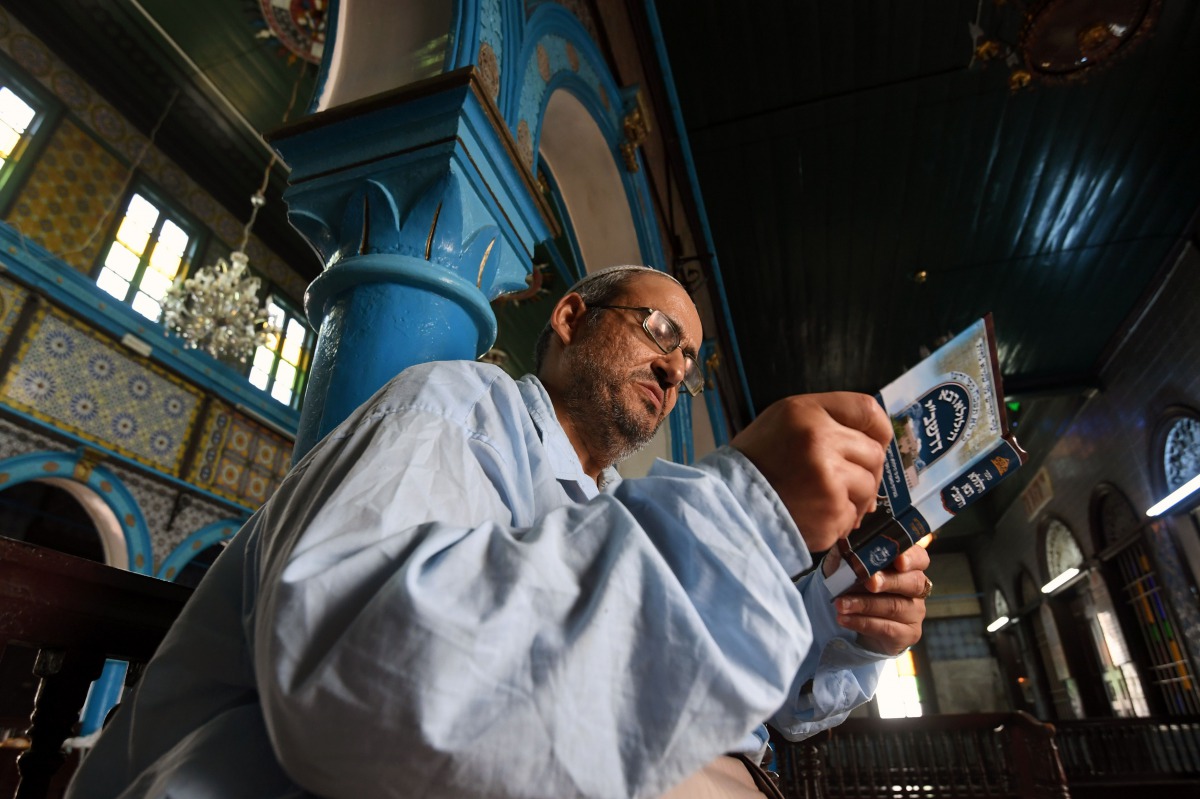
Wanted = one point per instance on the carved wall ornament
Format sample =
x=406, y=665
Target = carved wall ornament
x=1060, y=550
x=711, y=365
x=999, y=603
x=489, y=70
x=525, y=143
x=636, y=130
x=1117, y=517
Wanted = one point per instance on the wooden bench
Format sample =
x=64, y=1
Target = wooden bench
x=76, y=613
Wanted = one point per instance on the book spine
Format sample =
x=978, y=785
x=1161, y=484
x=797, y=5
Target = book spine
x=981, y=477
x=872, y=547
x=882, y=537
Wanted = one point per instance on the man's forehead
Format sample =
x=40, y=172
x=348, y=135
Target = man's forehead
x=663, y=293
x=653, y=287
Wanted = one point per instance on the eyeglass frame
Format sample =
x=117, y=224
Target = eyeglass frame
x=678, y=341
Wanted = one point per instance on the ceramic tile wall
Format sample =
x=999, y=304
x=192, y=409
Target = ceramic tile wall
x=239, y=458
x=71, y=376
x=67, y=203
x=92, y=121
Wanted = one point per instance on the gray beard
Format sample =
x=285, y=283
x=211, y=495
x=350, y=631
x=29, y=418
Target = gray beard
x=613, y=431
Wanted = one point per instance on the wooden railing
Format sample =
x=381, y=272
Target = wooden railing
x=1110, y=757
x=76, y=613
x=995, y=755
x=936, y=757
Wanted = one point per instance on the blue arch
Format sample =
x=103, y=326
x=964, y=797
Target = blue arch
x=554, y=20
x=196, y=543
x=636, y=191
x=464, y=23
x=102, y=481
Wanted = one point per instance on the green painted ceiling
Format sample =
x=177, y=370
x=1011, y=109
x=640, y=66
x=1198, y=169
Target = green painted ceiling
x=221, y=72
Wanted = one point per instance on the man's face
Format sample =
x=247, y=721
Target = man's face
x=623, y=386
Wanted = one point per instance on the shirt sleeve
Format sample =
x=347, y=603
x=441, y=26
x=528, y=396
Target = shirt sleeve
x=836, y=674
x=415, y=635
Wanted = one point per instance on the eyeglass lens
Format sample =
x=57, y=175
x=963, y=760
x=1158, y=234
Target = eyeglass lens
x=663, y=331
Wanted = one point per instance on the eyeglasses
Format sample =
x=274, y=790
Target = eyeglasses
x=663, y=332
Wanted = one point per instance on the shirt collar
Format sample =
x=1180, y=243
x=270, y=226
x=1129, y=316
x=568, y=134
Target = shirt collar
x=563, y=459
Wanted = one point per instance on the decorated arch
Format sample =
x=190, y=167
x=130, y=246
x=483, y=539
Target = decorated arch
x=110, y=505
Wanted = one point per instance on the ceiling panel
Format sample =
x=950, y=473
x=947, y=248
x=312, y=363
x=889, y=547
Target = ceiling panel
x=842, y=147
x=123, y=54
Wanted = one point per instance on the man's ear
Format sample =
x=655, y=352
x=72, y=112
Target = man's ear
x=567, y=317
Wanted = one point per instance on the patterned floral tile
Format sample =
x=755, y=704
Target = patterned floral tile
x=241, y=434
x=80, y=152
x=229, y=473
x=17, y=440
x=266, y=455
x=238, y=458
x=68, y=195
x=212, y=441
x=71, y=376
x=155, y=499
x=258, y=485
x=12, y=300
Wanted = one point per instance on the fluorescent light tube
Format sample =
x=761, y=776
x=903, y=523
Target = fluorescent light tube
x=1174, y=498
x=1059, y=580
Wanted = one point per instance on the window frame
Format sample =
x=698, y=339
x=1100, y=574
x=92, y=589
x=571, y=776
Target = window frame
x=48, y=112
x=168, y=209
x=291, y=311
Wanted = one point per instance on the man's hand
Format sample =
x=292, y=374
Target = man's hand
x=888, y=612
x=823, y=455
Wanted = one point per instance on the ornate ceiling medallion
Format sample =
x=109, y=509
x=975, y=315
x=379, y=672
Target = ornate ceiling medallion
x=1068, y=40
x=299, y=25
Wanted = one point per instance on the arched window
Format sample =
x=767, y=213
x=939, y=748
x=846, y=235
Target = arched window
x=1175, y=457
x=1062, y=557
x=1114, y=519
x=1181, y=451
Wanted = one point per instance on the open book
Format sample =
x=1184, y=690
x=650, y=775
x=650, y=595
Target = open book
x=952, y=445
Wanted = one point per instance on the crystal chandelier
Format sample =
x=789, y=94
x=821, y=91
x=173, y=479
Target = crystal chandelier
x=217, y=310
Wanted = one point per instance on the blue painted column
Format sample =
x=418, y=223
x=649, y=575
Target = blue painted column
x=384, y=313
x=422, y=212
x=104, y=693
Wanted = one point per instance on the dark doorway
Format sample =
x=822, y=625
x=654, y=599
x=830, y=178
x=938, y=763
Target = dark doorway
x=49, y=516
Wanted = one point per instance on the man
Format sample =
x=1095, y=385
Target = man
x=455, y=594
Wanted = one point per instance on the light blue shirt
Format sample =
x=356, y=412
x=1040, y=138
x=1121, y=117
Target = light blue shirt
x=438, y=602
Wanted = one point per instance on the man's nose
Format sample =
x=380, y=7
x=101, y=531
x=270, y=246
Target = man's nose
x=669, y=367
